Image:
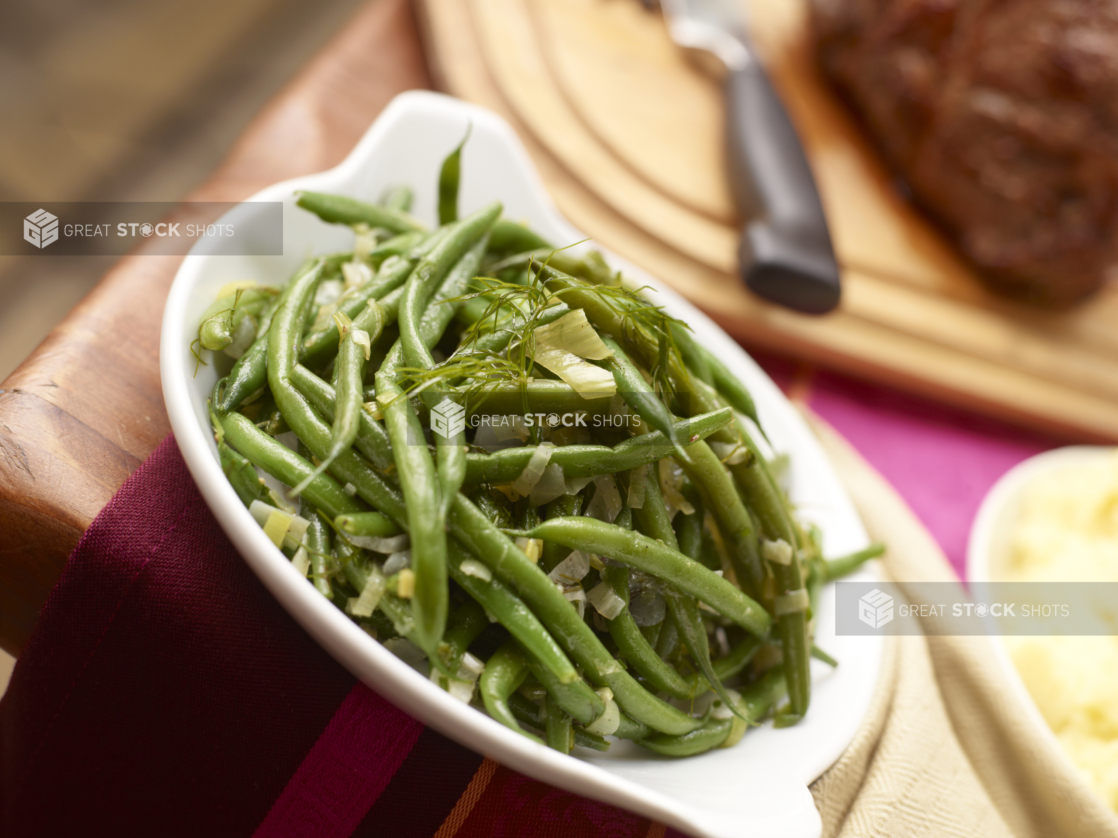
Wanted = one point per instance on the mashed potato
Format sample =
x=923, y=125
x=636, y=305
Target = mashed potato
x=1068, y=532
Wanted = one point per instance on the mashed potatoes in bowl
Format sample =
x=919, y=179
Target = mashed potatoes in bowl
x=1054, y=518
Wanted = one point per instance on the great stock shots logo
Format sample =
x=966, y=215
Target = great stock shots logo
x=448, y=419
x=875, y=609
x=40, y=228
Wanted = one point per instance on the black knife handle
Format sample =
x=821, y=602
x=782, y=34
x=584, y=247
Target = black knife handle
x=786, y=254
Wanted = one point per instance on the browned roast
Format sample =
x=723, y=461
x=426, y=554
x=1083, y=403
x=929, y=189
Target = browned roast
x=1002, y=116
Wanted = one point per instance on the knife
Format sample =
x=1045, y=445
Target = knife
x=786, y=254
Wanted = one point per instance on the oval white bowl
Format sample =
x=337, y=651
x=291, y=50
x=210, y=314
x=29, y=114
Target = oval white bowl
x=988, y=548
x=756, y=788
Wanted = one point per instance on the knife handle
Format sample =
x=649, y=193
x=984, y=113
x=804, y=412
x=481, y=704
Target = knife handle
x=786, y=254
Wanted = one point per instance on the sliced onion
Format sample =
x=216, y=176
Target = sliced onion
x=607, y=723
x=362, y=339
x=638, y=478
x=552, y=485
x=405, y=584
x=777, y=552
x=577, y=484
x=526, y=482
x=296, y=532
x=588, y=381
x=301, y=561
x=397, y=562
x=474, y=568
x=366, y=603
x=243, y=336
x=605, y=601
x=356, y=274
x=792, y=602
x=349, y=489
x=671, y=480
x=276, y=527
x=572, y=333
x=470, y=667
x=530, y=547
x=606, y=503
x=572, y=569
x=329, y=291
x=730, y=453
x=364, y=240
x=577, y=597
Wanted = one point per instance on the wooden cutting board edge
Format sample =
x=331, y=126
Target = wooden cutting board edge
x=965, y=382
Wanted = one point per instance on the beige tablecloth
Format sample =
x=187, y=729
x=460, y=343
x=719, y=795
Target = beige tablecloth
x=945, y=750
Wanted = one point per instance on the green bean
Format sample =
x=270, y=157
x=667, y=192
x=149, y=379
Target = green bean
x=511, y=237
x=286, y=466
x=640, y=655
x=372, y=439
x=450, y=449
x=319, y=547
x=338, y=209
x=820, y=655
x=591, y=460
x=630, y=728
x=238, y=470
x=569, y=505
x=734, y=521
x=760, y=491
x=222, y=319
x=513, y=614
x=504, y=672
x=668, y=642
x=576, y=697
x=559, y=733
x=497, y=551
x=463, y=627
x=712, y=734
x=416, y=472
x=349, y=372
x=654, y=521
x=250, y=372
x=694, y=356
x=732, y=390
x=845, y=565
x=649, y=555
x=370, y=524
x=636, y=393
x=449, y=175
x=528, y=713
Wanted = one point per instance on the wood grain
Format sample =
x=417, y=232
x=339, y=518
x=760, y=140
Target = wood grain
x=85, y=409
x=612, y=115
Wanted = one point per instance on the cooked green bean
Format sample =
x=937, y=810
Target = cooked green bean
x=558, y=730
x=338, y=209
x=845, y=565
x=370, y=524
x=504, y=672
x=590, y=460
x=649, y=555
x=287, y=466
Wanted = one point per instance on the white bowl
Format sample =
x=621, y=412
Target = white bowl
x=756, y=788
x=989, y=544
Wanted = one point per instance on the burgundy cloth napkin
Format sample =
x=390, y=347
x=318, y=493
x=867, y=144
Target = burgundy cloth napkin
x=165, y=692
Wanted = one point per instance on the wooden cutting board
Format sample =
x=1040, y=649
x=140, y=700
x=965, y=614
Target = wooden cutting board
x=627, y=134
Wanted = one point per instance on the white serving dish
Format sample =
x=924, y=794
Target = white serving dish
x=759, y=787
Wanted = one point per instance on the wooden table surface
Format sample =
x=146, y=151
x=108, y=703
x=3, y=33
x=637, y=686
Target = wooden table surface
x=86, y=408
